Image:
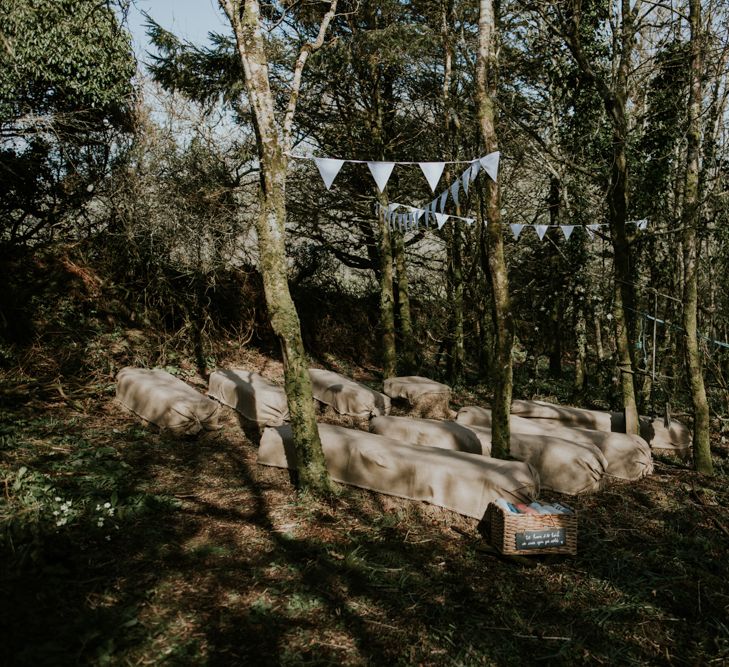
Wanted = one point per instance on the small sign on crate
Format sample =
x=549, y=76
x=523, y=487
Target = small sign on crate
x=542, y=531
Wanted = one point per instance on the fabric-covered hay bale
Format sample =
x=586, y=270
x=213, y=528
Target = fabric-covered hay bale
x=166, y=401
x=428, y=433
x=250, y=394
x=425, y=397
x=628, y=456
x=462, y=482
x=347, y=396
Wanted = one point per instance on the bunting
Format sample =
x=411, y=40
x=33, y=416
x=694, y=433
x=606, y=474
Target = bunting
x=382, y=170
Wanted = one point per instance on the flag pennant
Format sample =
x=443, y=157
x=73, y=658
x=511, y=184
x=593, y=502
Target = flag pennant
x=443, y=199
x=516, y=230
x=328, y=168
x=455, y=188
x=466, y=180
x=642, y=224
x=490, y=164
x=567, y=231
x=541, y=230
x=441, y=219
x=468, y=221
x=381, y=173
x=432, y=172
x=419, y=213
x=475, y=168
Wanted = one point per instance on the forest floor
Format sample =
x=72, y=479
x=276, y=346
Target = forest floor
x=124, y=545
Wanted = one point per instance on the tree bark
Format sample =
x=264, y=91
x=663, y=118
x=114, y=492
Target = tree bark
x=407, y=354
x=311, y=469
x=387, y=300
x=486, y=71
x=691, y=218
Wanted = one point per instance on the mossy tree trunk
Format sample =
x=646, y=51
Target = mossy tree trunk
x=691, y=218
x=245, y=20
x=387, y=299
x=614, y=95
x=407, y=363
x=486, y=71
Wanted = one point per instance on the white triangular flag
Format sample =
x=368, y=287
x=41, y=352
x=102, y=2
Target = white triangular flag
x=468, y=221
x=475, y=168
x=381, y=173
x=466, y=180
x=419, y=213
x=455, y=188
x=642, y=224
x=567, y=231
x=441, y=219
x=432, y=172
x=516, y=230
x=590, y=229
x=443, y=199
x=541, y=230
x=328, y=168
x=490, y=164
x=393, y=206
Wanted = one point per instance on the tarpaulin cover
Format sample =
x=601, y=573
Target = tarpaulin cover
x=346, y=396
x=628, y=456
x=462, y=482
x=429, y=433
x=165, y=400
x=414, y=387
x=255, y=397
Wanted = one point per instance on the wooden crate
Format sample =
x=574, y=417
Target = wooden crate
x=532, y=534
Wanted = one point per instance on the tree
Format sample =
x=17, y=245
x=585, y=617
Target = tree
x=486, y=84
x=691, y=219
x=66, y=98
x=274, y=141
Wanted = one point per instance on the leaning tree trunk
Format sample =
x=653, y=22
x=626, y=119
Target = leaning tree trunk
x=270, y=225
x=691, y=210
x=503, y=324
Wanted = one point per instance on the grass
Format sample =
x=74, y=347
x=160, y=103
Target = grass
x=208, y=558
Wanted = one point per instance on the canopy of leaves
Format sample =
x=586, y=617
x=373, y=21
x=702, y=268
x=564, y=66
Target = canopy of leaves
x=66, y=92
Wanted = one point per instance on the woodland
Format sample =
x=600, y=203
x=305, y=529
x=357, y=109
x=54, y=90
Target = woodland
x=175, y=214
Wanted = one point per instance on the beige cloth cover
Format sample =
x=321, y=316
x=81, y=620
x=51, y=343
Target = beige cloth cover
x=346, y=396
x=464, y=483
x=255, y=397
x=414, y=387
x=676, y=438
x=165, y=400
x=628, y=456
x=429, y=433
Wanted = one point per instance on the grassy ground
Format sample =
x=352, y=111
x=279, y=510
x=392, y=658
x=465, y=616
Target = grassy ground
x=121, y=545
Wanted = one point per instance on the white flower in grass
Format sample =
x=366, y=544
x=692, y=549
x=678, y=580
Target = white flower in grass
x=98, y=508
x=107, y=505
x=108, y=538
x=55, y=512
x=100, y=523
x=58, y=499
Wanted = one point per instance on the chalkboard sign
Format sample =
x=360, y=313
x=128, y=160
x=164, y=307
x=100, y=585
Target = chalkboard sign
x=541, y=539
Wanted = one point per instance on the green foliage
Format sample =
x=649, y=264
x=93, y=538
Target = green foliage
x=66, y=94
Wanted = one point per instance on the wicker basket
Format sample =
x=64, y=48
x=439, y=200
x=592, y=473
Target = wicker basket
x=532, y=534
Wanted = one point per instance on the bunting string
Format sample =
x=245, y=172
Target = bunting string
x=381, y=171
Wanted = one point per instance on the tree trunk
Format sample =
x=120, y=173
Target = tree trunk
x=270, y=225
x=486, y=69
x=387, y=302
x=691, y=217
x=581, y=344
x=407, y=354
